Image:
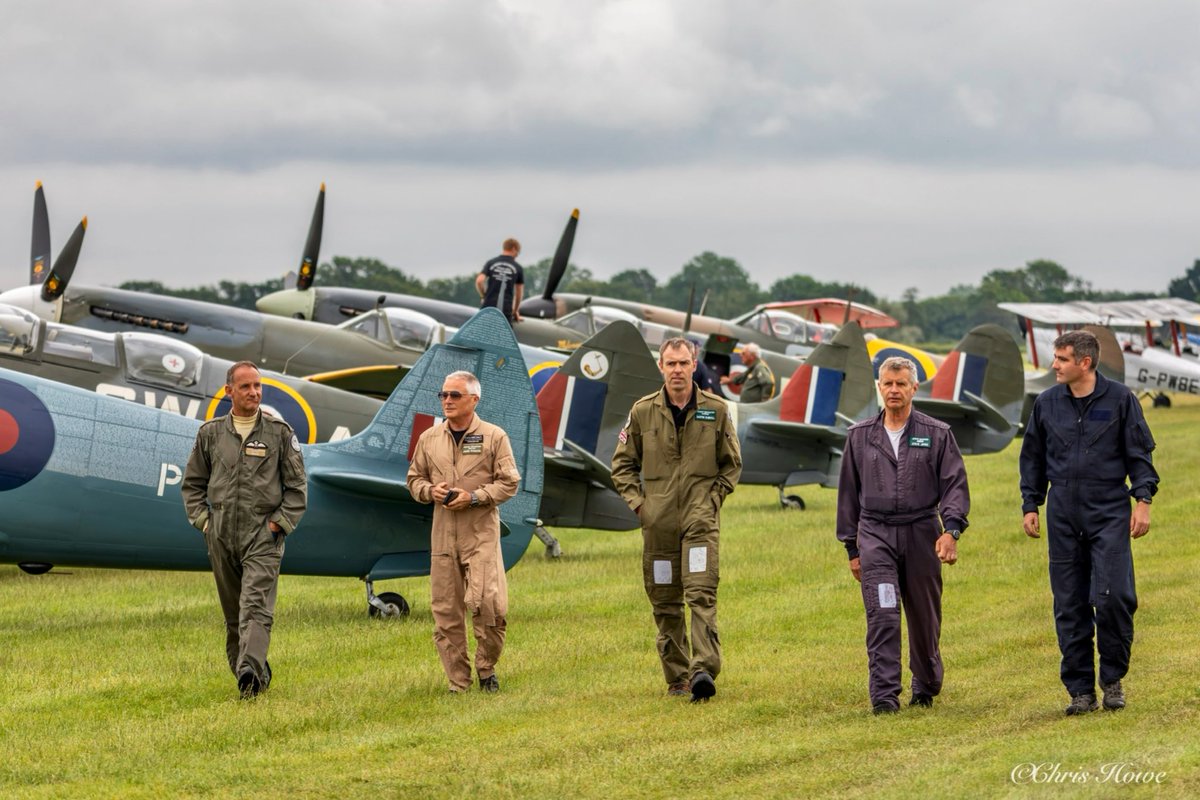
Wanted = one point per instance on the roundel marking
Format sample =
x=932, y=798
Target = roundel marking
x=880, y=352
x=10, y=431
x=539, y=374
x=26, y=435
x=285, y=401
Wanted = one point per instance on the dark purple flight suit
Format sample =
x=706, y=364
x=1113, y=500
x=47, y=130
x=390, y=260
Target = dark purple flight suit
x=888, y=516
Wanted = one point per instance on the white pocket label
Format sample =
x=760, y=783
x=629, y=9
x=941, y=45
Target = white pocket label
x=662, y=571
x=698, y=559
x=887, y=595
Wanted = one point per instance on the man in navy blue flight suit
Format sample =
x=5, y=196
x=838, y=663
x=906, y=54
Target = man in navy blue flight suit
x=1085, y=436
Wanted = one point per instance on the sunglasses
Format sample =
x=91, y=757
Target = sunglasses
x=450, y=395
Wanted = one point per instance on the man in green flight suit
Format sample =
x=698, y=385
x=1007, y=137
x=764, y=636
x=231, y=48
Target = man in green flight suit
x=757, y=382
x=245, y=488
x=676, y=460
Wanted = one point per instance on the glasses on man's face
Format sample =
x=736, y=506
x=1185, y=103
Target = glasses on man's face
x=450, y=395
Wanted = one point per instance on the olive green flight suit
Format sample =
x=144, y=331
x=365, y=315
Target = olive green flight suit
x=676, y=481
x=466, y=569
x=231, y=490
x=757, y=382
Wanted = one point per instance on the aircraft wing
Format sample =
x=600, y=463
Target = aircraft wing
x=377, y=381
x=798, y=433
x=1070, y=314
x=833, y=310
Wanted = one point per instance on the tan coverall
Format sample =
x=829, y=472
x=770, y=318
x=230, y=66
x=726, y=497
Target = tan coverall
x=466, y=567
x=677, y=481
x=234, y=488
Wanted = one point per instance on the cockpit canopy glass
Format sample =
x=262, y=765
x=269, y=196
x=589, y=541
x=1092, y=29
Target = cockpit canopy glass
x=80, y=344
x=150, y=358
x=18, y=330
x=398, y=327
x=789, y=327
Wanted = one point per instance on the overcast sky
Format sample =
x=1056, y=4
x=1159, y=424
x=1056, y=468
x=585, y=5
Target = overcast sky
x=894, y=143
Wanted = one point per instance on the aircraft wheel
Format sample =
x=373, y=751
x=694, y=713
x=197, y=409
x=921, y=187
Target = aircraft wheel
x=33, y=568
x=1162, y=401
x=553, y=548
x=395, y=606
x=793, y=501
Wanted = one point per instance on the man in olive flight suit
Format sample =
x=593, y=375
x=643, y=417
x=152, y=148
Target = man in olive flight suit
x=246, y=489
x=757, y=381
x=465, y=467
x=676, y=460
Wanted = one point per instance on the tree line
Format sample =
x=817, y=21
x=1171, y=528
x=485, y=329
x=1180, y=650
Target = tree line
x=725, y=289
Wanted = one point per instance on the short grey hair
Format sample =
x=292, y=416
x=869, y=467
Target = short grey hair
x=752, y=349
x=1083, y=344
x=235, y=367
x=676, y=342
x=900, y=364
x=470, y=379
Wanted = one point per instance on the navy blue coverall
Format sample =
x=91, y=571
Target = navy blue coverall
x=1085, y=448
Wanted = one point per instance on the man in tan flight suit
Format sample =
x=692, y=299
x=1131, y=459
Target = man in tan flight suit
x=246, y=489
x=676, y=459
x=465, y=467
x=757, y=382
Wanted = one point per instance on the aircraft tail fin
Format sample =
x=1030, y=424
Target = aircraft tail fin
x=834, y=384
x=587, y=401
x=978, y=390
x=486, y=347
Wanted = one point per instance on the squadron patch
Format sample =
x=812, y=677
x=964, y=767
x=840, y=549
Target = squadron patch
x=473, y=438
x=295, y=443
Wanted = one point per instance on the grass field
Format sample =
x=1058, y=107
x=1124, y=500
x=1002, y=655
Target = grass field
x=115, y=683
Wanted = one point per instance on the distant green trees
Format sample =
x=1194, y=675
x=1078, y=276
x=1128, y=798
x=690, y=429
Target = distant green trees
x=943, y=317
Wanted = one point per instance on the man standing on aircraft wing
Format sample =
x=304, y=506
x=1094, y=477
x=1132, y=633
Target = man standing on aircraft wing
x=1085, y=436
x=465, y=467
x=757, y=381
x=501, y=282
x=246, y=489
x=902, y=504
x=676, y=460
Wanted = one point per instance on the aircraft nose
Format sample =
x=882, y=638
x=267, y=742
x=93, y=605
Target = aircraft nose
x=288, y=303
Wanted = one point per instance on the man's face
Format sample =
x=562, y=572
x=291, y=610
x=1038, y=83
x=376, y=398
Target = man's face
x=245, y=392
x=897, y=388
x=677, y=365
x=1065, y=369
x=748, y=358
x=458, y=409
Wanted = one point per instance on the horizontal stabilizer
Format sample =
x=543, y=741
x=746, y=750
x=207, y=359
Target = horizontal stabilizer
x=797, y=433
x=582, y=463
x=363, y=483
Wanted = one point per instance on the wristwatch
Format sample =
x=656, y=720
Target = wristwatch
x=1145, y=500
x=954, y=534
x=474, y=500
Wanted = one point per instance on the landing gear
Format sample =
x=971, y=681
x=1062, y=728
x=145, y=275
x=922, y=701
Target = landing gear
x=35, y=567
x=1161, y=400
x=553, y=548
x=388, y=604
x=791, y=500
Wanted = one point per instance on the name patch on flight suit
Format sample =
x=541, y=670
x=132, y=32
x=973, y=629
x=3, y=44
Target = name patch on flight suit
x=256, y=448
x=706, y=414
x=1100, y=414
x=472, y=444
x=919, y=441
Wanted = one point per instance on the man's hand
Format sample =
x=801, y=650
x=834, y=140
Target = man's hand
x=856, y=569
x=724, y=380
x=1032, y=527
x=439, y=492
x=461, y=500
x=274, y=527
x=947, y=549
x=1139, y=520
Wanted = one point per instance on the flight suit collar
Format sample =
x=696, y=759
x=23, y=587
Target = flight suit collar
x=471, y=428
x=678, y=415
x=231, y=428
x=1099, y=390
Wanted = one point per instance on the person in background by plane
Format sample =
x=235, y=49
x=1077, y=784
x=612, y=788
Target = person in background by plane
x=245, y=488
x=465, y=467
x=1085, y=436
x=902, y=504
x=501, y=282
x=676, y=460
x=757, y=381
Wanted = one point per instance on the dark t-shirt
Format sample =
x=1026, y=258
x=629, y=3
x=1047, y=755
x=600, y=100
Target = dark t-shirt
x=503, y=273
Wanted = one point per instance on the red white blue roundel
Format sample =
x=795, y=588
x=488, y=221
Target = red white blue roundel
x=26, y=435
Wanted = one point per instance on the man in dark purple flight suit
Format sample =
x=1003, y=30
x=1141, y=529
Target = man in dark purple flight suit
x=902, y=504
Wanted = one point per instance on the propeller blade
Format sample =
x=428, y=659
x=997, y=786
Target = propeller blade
x=687, y=320
x=558, y=267
x=60, y=274
x=312, y=248
x=704, y=302
x=39, y=254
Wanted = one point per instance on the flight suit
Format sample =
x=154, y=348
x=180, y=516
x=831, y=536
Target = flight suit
x=890, y=514
x=676, y=480
x=757, y=382
x=466, y=566
x=1084, y=449
x=231, y=490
